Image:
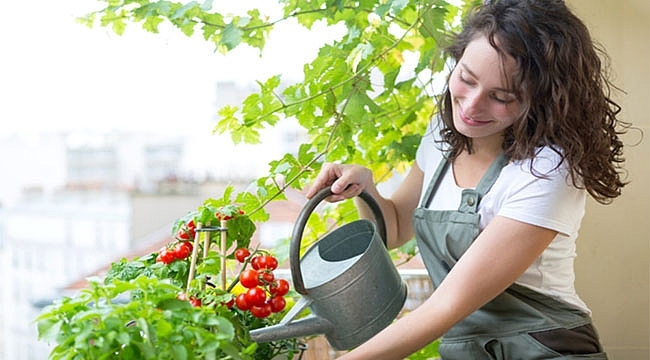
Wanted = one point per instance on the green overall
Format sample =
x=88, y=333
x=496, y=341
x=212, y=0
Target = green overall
x=519, y=323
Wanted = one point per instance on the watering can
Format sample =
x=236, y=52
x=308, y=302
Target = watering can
x=347, y=279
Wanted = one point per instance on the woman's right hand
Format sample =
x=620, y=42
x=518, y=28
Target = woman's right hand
x=345, y=181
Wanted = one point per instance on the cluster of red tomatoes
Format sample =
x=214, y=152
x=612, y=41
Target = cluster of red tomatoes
x=180, y=251
x=265, y=293
x=182, y=248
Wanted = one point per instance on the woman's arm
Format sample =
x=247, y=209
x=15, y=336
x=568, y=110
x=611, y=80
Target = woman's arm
x=498, y=256
x=347, y=181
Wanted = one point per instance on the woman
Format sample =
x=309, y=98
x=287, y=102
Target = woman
x=526, y=131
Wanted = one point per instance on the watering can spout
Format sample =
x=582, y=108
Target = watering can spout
x=310, y=325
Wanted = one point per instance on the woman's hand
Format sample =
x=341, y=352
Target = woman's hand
x=345, y=181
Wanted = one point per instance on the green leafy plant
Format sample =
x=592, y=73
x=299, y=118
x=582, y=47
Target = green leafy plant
x=169, y=304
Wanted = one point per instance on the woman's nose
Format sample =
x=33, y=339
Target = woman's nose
x=473, y=102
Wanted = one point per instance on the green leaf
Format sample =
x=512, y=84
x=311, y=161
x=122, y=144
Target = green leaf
x=361, y=52
x=151, y=24
x=231, y=36
x=398, y=5
x=173, y=304
x=123, y=338
x=180, y=12
x=48, y=329
x=178, y=352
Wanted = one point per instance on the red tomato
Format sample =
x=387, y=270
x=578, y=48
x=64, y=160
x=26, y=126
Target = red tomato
x=182, y=250
x=196, y=302
x=261, y=311
x=182, y=234
x=267, y=276
x=277, y=303
x=268, y=262
x=241, y=303
x=279, y=288
x=229, y=304
x=255, y=296
x=249, y=278
x=241, y=254
x=255, y=262
x=166, y=256
x=190, y=225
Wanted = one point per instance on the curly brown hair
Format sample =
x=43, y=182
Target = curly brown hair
x=563, y=86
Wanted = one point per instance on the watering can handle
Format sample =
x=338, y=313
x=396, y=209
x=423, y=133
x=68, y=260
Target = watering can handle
x=298, y=229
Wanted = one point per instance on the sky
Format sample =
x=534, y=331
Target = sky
x=60, y=75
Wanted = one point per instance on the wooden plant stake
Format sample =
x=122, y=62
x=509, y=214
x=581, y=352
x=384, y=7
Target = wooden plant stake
x=224, y=237
x=195, y=253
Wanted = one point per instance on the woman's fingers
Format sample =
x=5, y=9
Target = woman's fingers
x=343, y=180
x=325, y=178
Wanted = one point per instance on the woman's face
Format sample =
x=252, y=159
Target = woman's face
x=483, y=103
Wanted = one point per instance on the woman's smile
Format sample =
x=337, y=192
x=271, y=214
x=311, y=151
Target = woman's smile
x=467, y=119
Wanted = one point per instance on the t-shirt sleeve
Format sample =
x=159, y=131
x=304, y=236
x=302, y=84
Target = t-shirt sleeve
x=551, y=201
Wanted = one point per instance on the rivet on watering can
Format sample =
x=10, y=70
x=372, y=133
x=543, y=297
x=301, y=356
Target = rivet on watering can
x=470, y=201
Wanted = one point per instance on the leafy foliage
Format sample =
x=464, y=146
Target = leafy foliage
x=160, y=326
x=149, y=308
x=366, y=98
x=102, y=323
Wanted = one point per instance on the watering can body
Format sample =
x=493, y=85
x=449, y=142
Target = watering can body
x=348, y=281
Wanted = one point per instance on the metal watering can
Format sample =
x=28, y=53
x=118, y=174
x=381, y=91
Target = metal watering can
x=347, y=279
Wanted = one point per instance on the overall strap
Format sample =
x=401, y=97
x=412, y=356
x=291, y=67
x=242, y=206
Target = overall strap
x=472, y=197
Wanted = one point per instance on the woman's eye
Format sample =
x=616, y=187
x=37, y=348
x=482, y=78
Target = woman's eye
x=502, y=99
x=465, y=80
x=498, y=99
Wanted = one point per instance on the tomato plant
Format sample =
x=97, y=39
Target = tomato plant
x=173, y=304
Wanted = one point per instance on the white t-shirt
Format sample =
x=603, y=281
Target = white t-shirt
x=551, y=202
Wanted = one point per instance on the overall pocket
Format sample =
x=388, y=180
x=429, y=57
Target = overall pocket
x=566, y=344
x=577, y=341
x=551, y=344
